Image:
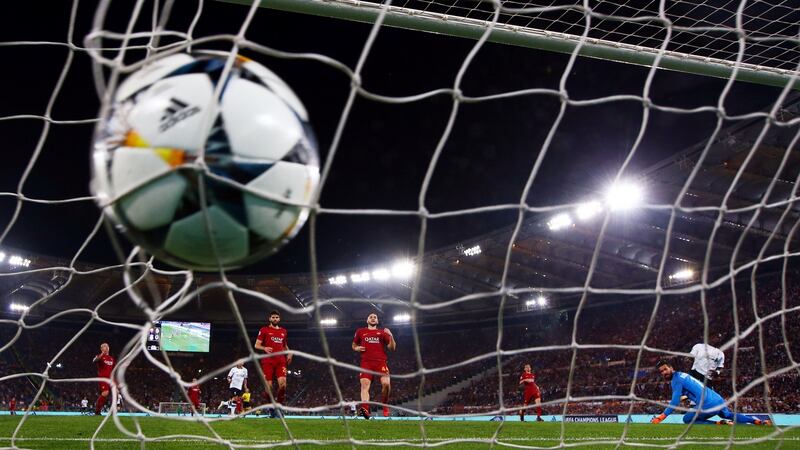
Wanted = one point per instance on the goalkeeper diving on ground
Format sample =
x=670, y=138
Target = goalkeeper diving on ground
x=708, y=403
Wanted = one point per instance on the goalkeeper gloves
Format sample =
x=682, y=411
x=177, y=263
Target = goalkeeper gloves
x=658, y=418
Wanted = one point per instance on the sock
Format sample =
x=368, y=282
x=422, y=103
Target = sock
x=385, y=397
x=742, y=418
x=101, y=401
x=281, y=398
x=539, y=411
x=238, y=405
x=365, y=406
x=736, y=417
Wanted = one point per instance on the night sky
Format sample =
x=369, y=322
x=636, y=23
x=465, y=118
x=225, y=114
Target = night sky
x=386, y=149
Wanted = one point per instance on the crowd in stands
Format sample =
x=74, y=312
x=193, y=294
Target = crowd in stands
x=678, y=325
x=564, y=372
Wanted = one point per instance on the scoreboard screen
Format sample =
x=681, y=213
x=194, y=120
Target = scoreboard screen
x=179, y=336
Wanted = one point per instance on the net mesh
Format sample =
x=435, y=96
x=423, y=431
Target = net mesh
x=705, y=30
x=747, y=213
x=179, y=408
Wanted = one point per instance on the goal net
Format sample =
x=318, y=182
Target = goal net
x=180, y=408
x=589, y=188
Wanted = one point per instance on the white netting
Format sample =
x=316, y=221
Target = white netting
x=704, y=30
x=742, y=201
x=180, y=408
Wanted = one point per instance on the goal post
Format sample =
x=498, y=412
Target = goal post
x=180, y=408
x=505, y=33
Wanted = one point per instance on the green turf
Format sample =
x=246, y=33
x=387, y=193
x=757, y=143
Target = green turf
x=69, y=432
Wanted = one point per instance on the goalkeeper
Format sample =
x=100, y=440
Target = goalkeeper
x=709, y=403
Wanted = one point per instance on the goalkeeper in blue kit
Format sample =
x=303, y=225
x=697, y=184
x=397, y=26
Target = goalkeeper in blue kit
x=709, y=403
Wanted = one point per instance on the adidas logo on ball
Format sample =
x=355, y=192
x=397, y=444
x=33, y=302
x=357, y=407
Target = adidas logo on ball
x=176, y=112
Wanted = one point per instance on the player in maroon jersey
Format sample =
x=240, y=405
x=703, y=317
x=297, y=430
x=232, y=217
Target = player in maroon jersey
x=194, y=395
x=370, y=341
x=272, y=339
x=105, y=364
x=528, y=381
x=12, y=406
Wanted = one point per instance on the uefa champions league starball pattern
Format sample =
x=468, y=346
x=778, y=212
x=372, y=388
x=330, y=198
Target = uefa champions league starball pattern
x=255, y=134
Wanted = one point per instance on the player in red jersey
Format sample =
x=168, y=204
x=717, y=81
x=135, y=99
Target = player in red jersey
x=370, y=341
x=105, y=364
x=528, y=380
x=194, y=395
x=12, y=406
x=272, y=339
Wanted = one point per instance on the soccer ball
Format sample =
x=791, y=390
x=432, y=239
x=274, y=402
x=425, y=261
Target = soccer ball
x=238, y=203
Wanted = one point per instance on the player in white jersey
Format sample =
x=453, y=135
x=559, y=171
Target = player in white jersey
x=708, y=360
x=237, y=382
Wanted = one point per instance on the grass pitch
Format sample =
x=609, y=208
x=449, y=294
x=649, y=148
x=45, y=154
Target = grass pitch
x=72, y=432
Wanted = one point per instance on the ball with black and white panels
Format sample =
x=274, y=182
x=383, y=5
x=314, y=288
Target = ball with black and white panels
x=243, y=199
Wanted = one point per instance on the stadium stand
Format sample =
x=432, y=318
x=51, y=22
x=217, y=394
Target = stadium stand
x=598, y=372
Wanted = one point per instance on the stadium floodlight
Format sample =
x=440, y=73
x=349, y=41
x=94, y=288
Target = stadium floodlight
x=682, y=275
x=18, y=307
x=473, y=251
x=329, y=322
x=381, y=274
x=338, y=280
x=559, y=222
x=2, y=256
x=362, y=277
x=402, y=318
x=540, y=301
x=624, y=195
x=586, y=211
x=18, y=261
x=403, y=269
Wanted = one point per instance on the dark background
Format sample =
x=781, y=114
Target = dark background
x=386, y=149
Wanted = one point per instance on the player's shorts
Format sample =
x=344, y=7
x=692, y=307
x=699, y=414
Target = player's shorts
x=235, y=392
x=104, y=386
x=701, y=378
x=274, y=366
x=532, y=394
x=376, y=366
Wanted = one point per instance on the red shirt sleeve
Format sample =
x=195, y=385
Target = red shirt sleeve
x=260, y=337
x=357, y=337
x=385, y=337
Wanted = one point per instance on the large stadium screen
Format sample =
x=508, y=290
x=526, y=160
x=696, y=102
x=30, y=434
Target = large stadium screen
x=179, y=336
